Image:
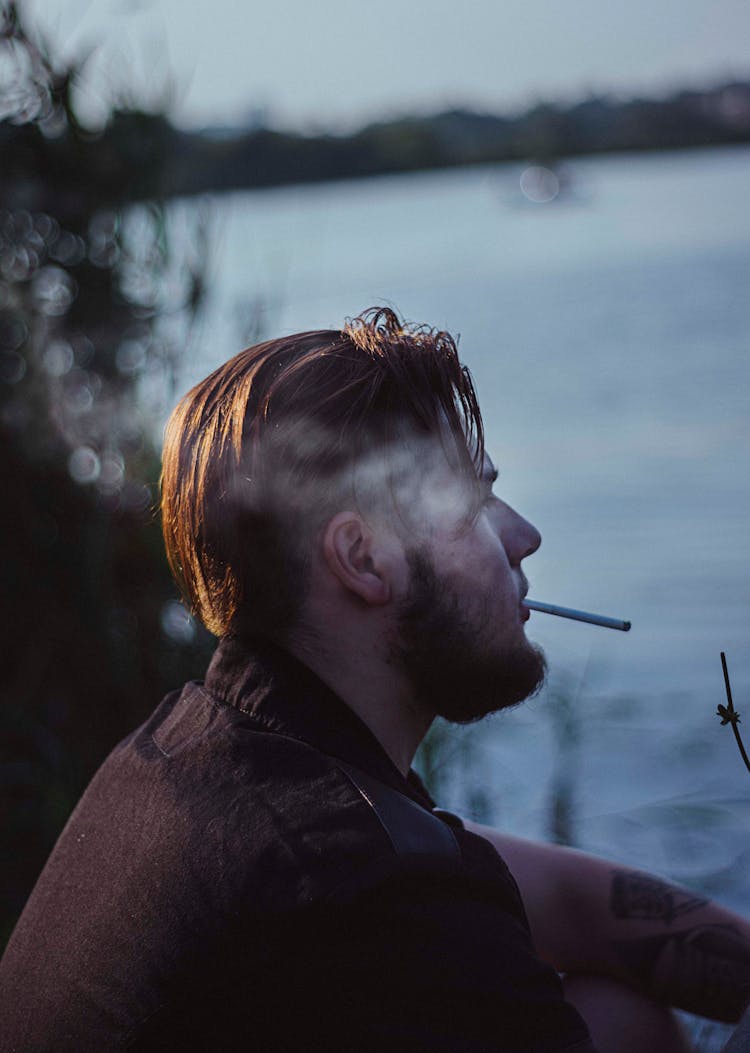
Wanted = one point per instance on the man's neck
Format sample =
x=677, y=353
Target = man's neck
x=372, y=687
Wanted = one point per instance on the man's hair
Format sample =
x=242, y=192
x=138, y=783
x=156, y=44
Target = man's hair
x=260, y=455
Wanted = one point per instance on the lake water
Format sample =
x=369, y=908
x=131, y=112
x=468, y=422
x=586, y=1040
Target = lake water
x=609, y=336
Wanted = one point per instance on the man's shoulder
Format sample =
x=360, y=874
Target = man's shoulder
x=201, y=826
x=220, y=793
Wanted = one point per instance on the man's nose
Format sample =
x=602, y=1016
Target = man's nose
x=520, y=538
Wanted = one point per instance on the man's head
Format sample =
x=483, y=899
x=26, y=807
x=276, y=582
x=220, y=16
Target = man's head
x=260, y=453
x=313, y=445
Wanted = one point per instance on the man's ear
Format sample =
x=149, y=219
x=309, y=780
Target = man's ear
x=353, y=555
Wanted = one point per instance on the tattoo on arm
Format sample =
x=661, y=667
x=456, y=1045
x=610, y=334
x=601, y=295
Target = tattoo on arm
x=635, y=895
x=704, y=969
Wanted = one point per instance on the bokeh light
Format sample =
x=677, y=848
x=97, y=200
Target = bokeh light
x=177, y=623
x=84, y=465
x=539, y=184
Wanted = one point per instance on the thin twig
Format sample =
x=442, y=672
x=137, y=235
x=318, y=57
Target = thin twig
x=729, y=715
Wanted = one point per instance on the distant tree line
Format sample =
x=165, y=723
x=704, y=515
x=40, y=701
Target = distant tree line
x=546, y=132
x=142, y=156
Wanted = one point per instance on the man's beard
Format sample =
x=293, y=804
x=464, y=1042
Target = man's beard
x=452, y=670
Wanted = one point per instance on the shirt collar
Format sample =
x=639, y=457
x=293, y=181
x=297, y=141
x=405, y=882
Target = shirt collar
x=278, y=691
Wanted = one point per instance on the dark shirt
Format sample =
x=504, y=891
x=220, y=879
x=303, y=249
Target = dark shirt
x=249, y=871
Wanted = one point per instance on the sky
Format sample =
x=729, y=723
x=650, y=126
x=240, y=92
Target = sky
x=335, y=64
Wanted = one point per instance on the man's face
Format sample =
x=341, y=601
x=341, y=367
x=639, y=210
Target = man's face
x=459, y=635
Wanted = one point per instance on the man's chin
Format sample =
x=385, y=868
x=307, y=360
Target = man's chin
x=456, y=667
x=484, y=687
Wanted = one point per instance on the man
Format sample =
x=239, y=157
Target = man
x=257, y=867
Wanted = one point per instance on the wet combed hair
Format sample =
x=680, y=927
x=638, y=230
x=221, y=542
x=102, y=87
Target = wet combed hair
x=260, y=454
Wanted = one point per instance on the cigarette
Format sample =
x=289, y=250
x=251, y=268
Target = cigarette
x=578, y=616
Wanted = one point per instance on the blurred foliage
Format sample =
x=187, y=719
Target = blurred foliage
x=456, y=764
x=451, y=763
x=98, y=295
x=565, y=721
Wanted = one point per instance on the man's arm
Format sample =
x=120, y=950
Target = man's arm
x=588, y=915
